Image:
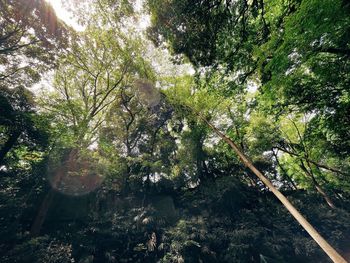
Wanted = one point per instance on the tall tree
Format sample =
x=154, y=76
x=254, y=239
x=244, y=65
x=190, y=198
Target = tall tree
x=90, y=78
x=100, y=67
x=196, y=106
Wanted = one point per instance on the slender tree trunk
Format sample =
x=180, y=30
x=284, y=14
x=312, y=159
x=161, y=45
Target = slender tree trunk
x=251, y=180
x=284, y=172
x=9, y=144
x=318, y=165
x=327, y=248
x=325, y=196
x=334, y=191
x=317, y=186
x=42, y=213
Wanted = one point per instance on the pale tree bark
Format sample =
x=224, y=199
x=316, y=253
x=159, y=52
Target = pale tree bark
x=326, y=247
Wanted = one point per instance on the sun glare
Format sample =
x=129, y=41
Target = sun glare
x=68, y=18
x=64, y=15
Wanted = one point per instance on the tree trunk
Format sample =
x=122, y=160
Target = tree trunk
x=9, y=144
x=42, y=213
x=284, y=172
x=317, y=186
x=327, y=248
x=325, y=196
x=318, y=165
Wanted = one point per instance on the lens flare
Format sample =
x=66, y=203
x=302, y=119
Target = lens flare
x=76, y=175
x=148, y=93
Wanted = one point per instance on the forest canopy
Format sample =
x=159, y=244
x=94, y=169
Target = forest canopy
x=175, y=131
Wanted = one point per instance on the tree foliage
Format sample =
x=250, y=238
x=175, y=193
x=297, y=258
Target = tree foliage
x=30, y=37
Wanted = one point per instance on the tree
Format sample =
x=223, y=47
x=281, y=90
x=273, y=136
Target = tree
x=31, y=36
x=236, y=28
x=101, y=67
x=300, y=67
x=19, y=121
x=90, y=78
x=308, y=71
x=143, y=163
x=136, y=135
x=327, y=248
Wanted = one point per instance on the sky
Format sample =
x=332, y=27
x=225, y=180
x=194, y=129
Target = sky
x=162, y=63
x=67, y=17
x=64, y=15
